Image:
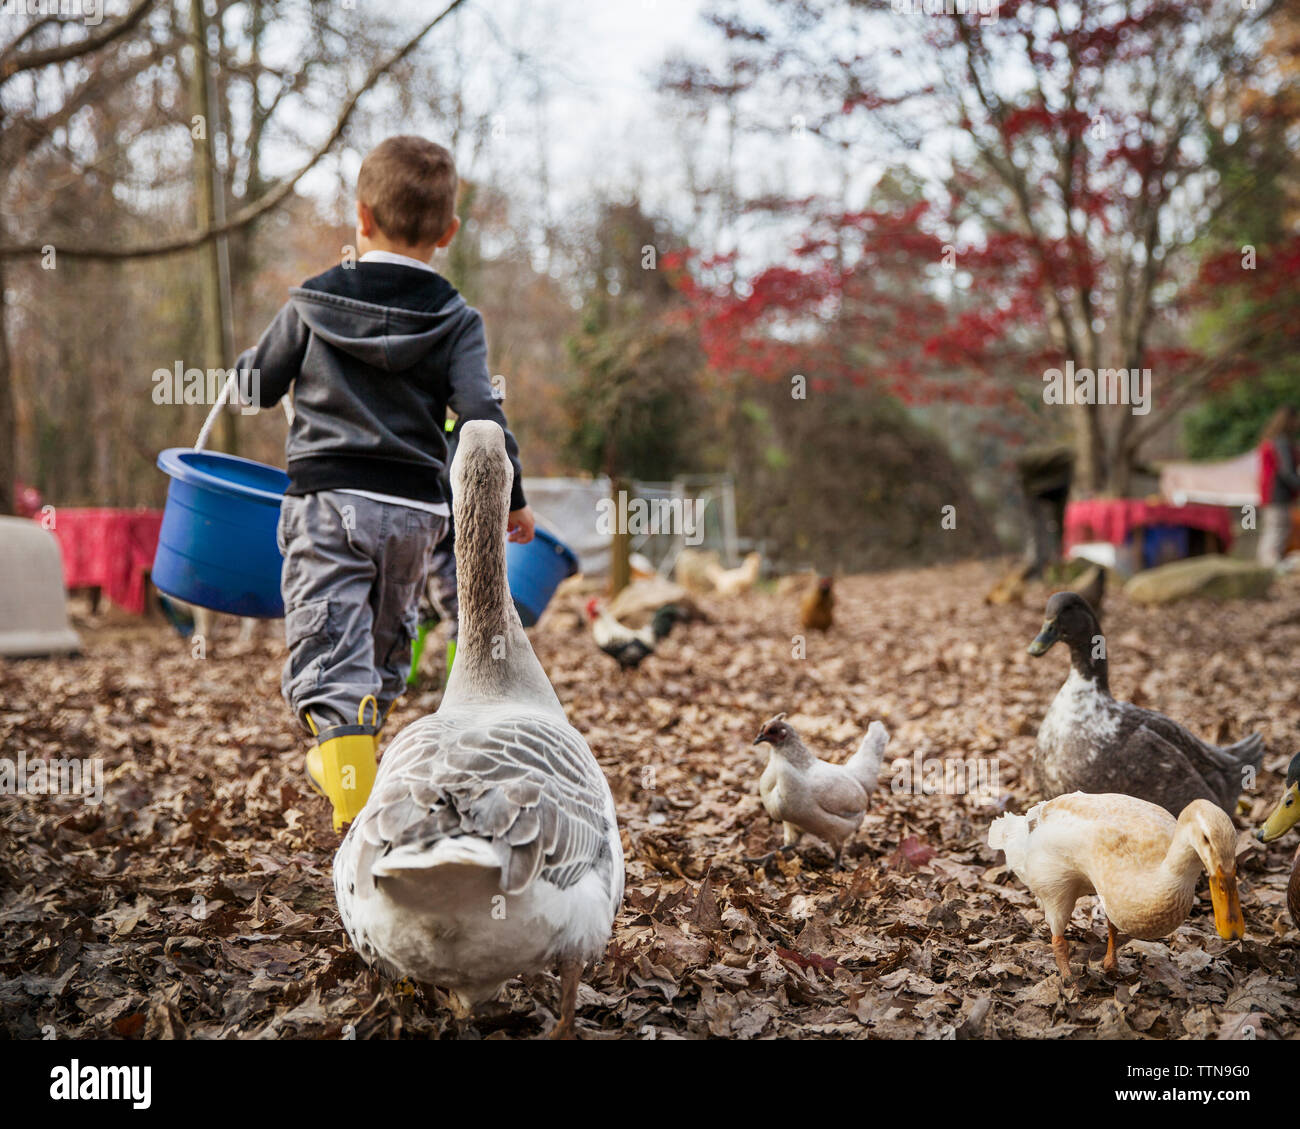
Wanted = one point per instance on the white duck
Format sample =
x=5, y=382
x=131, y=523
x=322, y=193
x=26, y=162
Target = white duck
x=489, y=847
x=1141, y=862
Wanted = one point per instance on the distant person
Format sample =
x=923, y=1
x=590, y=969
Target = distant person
x=376, y=352
x=1279, y=483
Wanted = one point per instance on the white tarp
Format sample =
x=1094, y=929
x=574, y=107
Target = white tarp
x=33, y=606
x=566, y=507
x=569, y=508
x=1233, y=482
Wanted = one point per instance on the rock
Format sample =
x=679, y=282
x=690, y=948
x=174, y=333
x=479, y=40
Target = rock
x=1091, y=585
x=1211, y=577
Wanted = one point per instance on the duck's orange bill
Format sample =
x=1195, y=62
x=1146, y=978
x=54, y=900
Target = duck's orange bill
x=1227, y=907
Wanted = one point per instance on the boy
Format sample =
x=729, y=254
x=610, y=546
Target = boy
x=376, y=352
x=440, y=601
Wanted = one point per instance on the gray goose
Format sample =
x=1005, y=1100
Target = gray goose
x=489, y=846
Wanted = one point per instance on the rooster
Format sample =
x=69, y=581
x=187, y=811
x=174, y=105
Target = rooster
x=625, y=646
x=816, y=605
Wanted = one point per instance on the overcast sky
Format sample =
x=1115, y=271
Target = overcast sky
x=604, y=121
x=603, y=127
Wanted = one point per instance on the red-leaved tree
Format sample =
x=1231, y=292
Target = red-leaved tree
x=1066, y=204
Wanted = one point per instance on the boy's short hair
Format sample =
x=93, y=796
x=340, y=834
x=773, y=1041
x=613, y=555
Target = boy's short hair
x=410, y=186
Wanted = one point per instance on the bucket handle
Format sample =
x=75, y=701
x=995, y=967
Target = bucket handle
x=205, y=431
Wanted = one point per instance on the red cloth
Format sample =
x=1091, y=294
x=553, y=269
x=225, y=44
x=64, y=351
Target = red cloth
x=111, y=550
x=1112, y=519
x=1267, y=472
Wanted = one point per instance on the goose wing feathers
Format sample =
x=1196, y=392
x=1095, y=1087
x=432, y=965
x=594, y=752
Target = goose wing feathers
x=528, y=786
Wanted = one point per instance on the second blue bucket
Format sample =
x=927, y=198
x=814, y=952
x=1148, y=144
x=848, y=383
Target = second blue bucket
x=217, y=546
x=535, y=571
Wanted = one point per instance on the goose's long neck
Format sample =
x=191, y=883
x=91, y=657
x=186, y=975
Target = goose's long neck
x=494, y=660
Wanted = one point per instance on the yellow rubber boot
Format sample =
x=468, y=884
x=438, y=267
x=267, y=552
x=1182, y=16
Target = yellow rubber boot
x=341, y=765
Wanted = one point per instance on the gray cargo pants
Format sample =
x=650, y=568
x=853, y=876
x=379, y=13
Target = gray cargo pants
x=441, y=601
x=353, y=572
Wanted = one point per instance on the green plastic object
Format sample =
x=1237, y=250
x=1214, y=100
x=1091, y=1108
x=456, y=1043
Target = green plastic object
x=417, y=649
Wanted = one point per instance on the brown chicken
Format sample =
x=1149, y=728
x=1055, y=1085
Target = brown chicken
x=817, y=604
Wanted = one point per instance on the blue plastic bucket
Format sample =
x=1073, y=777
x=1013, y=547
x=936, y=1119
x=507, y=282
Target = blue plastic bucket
x=535, y=571
x=217, y=546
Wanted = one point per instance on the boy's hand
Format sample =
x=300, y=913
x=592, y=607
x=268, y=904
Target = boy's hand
x=521, y=525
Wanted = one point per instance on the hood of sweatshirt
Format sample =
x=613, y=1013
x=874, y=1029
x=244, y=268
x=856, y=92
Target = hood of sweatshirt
x=391, y=338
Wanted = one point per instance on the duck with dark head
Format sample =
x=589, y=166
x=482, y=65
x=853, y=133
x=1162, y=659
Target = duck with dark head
x=1284, y=817
x=1089, y=742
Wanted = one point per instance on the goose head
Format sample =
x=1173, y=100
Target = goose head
x=481, y=468
x=1209, y=832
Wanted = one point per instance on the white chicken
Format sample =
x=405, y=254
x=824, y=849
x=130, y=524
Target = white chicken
x=625, y=645
x=807, y=794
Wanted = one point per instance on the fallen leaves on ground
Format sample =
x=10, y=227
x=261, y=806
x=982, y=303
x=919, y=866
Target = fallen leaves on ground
x=195, y=901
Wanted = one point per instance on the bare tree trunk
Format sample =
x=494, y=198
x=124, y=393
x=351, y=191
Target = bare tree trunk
x=8, y=417
x=620, y=547
x=1090, y=477
x=206, y=207
x=1122, y=458
x=99, y=386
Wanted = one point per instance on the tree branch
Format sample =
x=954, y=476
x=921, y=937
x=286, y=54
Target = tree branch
x=11, y=65
x=259, y=207
x=1193, y=385
x=33, y=132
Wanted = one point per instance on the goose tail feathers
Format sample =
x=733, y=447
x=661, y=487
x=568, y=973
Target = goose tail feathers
x=463, y=850
x=1010, y=835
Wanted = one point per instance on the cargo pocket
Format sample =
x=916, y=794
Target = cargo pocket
x=281, y=541
x=306, y=631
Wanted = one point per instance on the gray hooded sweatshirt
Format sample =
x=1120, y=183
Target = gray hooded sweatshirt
x=376, y=353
